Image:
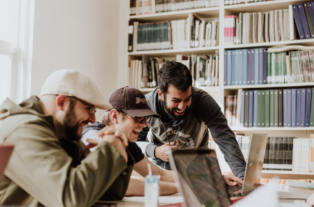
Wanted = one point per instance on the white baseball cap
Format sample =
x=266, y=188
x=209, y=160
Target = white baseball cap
x=73, y=83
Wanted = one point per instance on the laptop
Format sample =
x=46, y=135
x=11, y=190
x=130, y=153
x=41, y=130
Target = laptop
x=200, y=179
x=5, y=154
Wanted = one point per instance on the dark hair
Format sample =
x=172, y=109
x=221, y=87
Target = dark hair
x=176, y=74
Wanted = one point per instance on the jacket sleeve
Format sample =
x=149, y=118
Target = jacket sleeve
x=215, y=120
x=146, y=145
x=43, y=169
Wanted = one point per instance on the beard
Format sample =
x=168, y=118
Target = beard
x=70, y=118
x=171, y=111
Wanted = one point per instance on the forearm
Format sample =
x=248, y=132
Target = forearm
x=137, y=187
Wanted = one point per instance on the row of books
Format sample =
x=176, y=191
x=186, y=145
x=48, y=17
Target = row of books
x=303, y=14
x=204, y=68
x=257, y=66
x=283, y=153
x=139, y=7
x=257, y=27
x=292, y=107
x=236, y=2
x=177, y=34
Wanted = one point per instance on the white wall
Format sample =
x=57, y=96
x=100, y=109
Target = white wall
x=81, y=35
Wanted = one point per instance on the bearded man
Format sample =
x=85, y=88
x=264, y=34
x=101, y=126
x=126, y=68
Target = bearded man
x=187, y=114
x=50, y=166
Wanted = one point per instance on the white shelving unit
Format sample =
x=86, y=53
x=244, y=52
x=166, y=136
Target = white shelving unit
x=221, y=91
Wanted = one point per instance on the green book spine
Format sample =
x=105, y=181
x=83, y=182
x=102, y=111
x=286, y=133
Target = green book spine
x=280, y=108
x=276, y=108
x=271, y=108
x=269, y=60
x=260, y=108
x=246, y=108
x=312, y=110
x=267, y=94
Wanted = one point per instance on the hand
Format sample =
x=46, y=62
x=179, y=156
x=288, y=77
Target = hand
x=232, y=180
x=117, y=143
x=111, y=130
x=161, y=152
x=310, y=201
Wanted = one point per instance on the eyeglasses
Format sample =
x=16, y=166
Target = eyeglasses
x=91, y=108
x=140, y=120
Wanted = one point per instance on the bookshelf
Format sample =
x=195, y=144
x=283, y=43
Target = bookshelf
x=220, y=92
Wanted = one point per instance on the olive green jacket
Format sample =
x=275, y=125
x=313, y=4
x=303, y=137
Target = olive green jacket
x=41, y=172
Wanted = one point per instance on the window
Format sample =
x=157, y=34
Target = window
x=16, y=26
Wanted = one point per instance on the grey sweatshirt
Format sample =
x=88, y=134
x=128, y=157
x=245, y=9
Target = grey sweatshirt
x=192, y=132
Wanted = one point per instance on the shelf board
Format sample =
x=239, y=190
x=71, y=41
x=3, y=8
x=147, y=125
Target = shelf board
x=261, y=6
x=173, y=15
x=269, y=86
x=176, y=51
x=273, y=129
x=286, y=172
x=208, y=89
x=305, y=42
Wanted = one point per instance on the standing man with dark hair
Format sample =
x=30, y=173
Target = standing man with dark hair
x=186, y=115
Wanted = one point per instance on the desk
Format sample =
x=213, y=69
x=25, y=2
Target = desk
x=176, y=198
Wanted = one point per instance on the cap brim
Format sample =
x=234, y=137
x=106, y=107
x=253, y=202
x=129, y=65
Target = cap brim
x=141, y=112
x=104, y=106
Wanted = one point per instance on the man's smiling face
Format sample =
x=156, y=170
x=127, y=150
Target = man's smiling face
x=176, y=102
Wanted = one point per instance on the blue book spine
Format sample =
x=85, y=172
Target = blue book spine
x=285, y=107
x=302, y=116
x=308, y=99
x=265, y=66
x=255, y=109
x=233, y=67
x=225, y=68
x=261, y=66
x=305, y=25
x=298, y=110
x=229, y=72
x=289, y=102
x=256, y=66
x=251, y=108
x=250, y=66
x=297, y=20
x=236, y=67
x=311, y=9
x=240, y=67
x=293, y=107
x=244, y=68
x=242, y=110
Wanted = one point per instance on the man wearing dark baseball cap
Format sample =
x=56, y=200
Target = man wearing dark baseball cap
x=50, y=166
x=130, y=114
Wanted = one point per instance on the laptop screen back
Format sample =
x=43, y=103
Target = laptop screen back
x=200, y=178
x=254, y=166
x=5, y=153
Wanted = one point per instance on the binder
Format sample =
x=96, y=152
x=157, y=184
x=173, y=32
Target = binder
x=304, y=21
x=297, y=20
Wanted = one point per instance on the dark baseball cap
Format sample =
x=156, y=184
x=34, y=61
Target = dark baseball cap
x=131, y=101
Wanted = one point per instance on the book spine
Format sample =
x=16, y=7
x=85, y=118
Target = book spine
x=255, y=113
x=245, y=66
x=261, y=66
x=246, y=109
x=271, y=108
x=312, y=110
x=280, y=108
x=293, y=107
x=308, y=107
x=303, y=102
x=276, y=107
x=285, y=107
x=242, y=112
x=251, y=108
x=226, y=68
x=267, y=108
x=229, y=71
x=264, y=65
x=298, y=108
x=308, y=18
x=256, y=66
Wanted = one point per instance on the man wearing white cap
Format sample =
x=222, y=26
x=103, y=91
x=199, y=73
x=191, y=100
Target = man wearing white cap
x=50, y=166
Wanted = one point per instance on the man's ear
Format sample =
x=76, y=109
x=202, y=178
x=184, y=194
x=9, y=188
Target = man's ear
x=160, y=95
x=114, y=116
x=60, y=102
